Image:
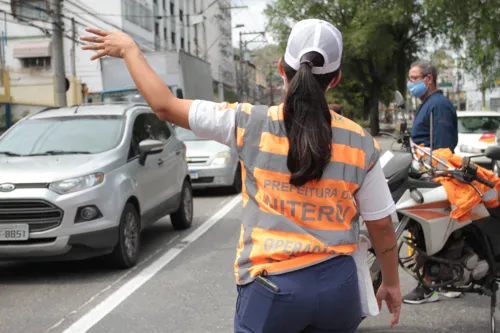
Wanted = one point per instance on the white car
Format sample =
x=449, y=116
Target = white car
x=476, y=131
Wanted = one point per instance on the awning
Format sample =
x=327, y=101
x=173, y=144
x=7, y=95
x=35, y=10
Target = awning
x=34, y=49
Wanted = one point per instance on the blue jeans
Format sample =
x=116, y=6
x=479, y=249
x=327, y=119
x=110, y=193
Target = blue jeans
x=321, y=298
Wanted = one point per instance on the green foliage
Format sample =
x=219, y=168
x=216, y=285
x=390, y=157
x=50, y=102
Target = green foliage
x=471, y=26
x=381, y=38
x=230, y=96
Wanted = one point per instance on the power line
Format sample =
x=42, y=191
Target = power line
x=46, y=31
x=26, y=5
x=27, y=25
x=108, y=23
x=128, y=15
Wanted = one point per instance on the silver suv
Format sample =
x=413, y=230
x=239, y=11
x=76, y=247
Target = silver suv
x=84, y=181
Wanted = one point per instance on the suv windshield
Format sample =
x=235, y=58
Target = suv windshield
x=70, y=135
x=186, y=135
x=478, y=124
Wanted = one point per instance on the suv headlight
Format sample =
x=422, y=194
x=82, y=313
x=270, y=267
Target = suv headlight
x=77, y=184
x=469, y=149
x=221, y=158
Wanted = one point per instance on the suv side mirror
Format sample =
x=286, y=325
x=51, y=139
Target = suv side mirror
x=149, y=147
x=400, y=101
x=493, y=152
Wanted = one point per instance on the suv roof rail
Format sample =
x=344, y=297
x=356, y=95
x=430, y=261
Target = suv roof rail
x=47, y=109
x=133, y=105
x=129, y=106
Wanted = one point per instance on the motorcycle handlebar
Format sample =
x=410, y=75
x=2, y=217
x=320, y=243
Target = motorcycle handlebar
x=459, y=175
x=485, y=182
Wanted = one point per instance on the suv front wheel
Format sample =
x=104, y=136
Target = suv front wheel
x=183, y=217
x=126, y=251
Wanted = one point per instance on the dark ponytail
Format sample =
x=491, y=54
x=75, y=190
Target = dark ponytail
x=307, y=120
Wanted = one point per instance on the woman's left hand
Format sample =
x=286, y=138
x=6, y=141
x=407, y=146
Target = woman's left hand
x=109, y=43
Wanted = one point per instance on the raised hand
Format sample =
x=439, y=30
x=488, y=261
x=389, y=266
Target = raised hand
x=108, y=43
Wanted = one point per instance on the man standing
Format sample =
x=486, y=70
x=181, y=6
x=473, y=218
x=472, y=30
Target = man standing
x=423, y=85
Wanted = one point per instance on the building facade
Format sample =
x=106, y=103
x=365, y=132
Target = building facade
x=199, y=27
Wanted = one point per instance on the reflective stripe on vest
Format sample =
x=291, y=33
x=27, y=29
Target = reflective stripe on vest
x=285, y=228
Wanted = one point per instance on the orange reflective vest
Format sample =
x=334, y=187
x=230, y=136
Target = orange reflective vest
x=463, y=197
x=286, y=228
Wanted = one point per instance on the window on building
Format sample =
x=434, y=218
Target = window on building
x=36, y=63
x=182, y=43
x=181, y=15
x=157, y=29
x=138, y=14
x=35, y=9
x=172, y=8
x=165, y=33
x=173, y=38
x=164, y=5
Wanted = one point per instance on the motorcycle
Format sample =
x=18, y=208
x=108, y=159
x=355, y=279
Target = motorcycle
x=453, y=256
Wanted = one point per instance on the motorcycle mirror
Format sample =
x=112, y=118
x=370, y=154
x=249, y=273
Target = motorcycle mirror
x=400, y=101
x=493, y=152
x=401, y=126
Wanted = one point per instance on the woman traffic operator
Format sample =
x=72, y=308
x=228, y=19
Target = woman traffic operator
x=308, y=176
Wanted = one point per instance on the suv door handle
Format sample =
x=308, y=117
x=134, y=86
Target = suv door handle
x=160, y=161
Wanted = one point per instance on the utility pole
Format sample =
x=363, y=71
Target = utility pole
x=57, y=52
x=240, y=88
x=73, y=47
x=271, y=85
x=221, y=86
x=243, y=73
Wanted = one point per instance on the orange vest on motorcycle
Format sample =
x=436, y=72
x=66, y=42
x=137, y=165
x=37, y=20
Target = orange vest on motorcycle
x=463, y=197
x=285, y=228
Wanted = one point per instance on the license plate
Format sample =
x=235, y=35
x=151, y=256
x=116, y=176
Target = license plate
x=194, y=175
x=9, y=232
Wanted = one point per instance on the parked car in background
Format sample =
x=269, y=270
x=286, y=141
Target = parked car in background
x=84, y=181
x=476, y=131
x=211, y=164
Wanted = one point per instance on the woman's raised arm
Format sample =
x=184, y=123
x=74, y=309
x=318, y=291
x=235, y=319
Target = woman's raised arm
x=159, y=97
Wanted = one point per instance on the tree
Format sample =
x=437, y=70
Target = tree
x=471, y=28
x=380, y=38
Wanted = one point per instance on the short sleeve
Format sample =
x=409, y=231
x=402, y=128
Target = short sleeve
x=213, y=121
x=444, y=133
x=374, y=198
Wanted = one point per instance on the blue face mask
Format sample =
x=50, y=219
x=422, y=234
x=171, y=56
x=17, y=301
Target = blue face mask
x=417, y=89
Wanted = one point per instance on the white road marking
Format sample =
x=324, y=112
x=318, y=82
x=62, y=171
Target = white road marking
x=92, y=317
x=111, y=285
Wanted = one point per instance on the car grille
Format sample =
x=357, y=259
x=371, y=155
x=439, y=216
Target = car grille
x=39, y=214
x=203, y=180
x=198, y=160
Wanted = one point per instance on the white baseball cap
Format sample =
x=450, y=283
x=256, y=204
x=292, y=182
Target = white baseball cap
x=315, y=36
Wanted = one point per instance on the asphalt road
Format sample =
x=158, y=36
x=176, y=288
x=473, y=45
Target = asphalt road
x=184, y=283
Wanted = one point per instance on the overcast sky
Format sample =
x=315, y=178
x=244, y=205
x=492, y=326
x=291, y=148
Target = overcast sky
x=253, y=19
